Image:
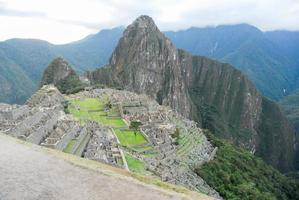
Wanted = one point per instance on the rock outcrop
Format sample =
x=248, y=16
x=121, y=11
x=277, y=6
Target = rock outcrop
x=214, y=94
x=60, y=74
x=57, y=70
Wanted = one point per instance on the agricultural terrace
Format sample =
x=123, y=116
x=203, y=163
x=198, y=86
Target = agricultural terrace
x=99, y=110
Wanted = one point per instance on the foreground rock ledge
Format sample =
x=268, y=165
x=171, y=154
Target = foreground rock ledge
x=28, y=171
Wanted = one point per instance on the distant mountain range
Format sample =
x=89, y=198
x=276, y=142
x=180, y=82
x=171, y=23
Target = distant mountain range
x=22, y=61
x=269, y=59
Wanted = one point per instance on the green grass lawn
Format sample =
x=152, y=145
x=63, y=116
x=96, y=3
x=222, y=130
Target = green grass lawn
x=134, y=164
x=142, y=148
x=90, y=104
x=128, y=138
x=92, y=109
x=70, y=146
x=102, y=118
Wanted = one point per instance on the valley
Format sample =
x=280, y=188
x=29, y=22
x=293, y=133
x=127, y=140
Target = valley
x=188, y=125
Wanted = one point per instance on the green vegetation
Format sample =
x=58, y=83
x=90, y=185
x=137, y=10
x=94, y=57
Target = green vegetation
x=176, y=135
x=135, y=126
x=290, y=106
x=70, y=85
x=60, y=73
x=272, y=142
x=237, y=174
x=93, y=109
x=70, y=146
x=134, y=164
x=129, y=138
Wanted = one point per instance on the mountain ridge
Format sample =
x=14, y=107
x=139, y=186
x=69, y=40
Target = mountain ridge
x=83, y=55
x=31, y=57
x=248, y=49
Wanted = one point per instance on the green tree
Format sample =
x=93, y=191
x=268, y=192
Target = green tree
x=135, y=126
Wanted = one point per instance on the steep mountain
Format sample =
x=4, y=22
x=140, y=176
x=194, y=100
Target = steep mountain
x=23, y=61
x=260, y=55
x=214, y=94
x=60, y=73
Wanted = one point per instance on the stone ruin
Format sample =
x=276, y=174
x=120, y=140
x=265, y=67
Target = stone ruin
x=103, y=146
x=173, y=163
x=42, y=121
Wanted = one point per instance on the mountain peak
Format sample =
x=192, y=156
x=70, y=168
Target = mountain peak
x=57, y=70
x=144, y=23
x=142, y=41
x=61, y=74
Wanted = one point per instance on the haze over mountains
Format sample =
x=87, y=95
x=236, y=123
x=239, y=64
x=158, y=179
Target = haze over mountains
x=22, y=61
x=269, y=59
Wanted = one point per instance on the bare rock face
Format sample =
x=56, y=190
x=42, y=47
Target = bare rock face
x=214, y=94
x=57, y=70
x=145, y=61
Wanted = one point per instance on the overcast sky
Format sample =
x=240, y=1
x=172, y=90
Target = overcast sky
x=62, y=21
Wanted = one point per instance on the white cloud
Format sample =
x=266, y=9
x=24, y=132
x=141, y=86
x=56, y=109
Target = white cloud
x=62, y=21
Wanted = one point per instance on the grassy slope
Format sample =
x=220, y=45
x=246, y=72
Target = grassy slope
x=128, y=138
x=135, y=164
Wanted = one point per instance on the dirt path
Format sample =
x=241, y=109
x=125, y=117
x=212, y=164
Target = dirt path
x=29, y=173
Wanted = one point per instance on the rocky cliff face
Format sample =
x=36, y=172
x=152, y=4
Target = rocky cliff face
x=214, y=94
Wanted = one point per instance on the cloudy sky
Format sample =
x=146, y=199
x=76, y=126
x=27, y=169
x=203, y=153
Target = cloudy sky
x=62, y=21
